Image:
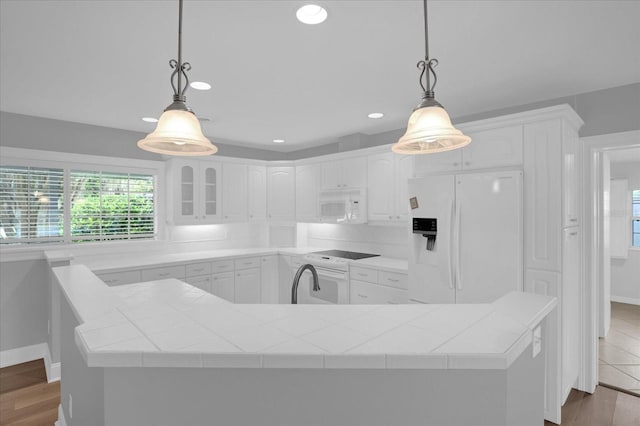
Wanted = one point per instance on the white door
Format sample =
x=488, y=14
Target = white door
x=380, y=176
x=209, y=178
x=431, y=271
x=403, y=172
x=281, y=186
x=307, y=183
x=488, y=225
x=222, y=285
x=269, y=279
x=248, y=286
x=570, y=309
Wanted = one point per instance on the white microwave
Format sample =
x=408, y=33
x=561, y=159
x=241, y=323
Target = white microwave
x=347, y=205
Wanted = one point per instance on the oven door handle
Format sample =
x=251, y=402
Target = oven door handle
x=330, y=274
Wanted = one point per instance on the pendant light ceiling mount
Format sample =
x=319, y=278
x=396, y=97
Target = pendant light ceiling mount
x=178, y=131
x=429, y=129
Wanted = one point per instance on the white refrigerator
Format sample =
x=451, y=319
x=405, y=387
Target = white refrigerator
x=475, y=255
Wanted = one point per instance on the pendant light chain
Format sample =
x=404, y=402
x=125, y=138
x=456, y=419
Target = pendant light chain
x=180, y=68
x=426, y=66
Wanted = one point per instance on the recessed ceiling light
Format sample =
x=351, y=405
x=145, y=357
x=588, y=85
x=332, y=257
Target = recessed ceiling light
x=376, y=115
x=150, y=119
x=200, y=85
x=311, y=14
x=278, y=141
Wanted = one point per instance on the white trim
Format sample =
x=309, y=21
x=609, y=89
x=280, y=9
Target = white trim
x=627, y=300
x=24, y=354
x=62, y=421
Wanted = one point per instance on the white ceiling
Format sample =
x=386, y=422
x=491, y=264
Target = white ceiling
x=629, y=155
x=106, y=62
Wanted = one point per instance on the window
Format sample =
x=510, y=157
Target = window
x=110, y=206
x=31, y=204
x=60, y=205
x=635, y=218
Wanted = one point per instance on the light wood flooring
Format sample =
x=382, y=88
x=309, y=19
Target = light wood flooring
x=619, y=359
x=27, y=399
x=25, y=396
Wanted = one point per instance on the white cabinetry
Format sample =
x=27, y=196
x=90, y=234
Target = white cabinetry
x=120, y=278
x=247, y=286
x=223, y=285
x=490, y=148
x=347, y=173
x=285, y=264
x=570, y=179
x=163, y=273
x=195, y=193
x=387, y=177
x=281, y=194
x=257, y=193
x=307, y=186
x=269, y=279
x=234, y=192
x=371, y=286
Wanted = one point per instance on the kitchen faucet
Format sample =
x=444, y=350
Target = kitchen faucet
x=296, y=281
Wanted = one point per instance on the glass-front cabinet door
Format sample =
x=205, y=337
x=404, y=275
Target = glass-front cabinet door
x=187, y=191
x=210, y=192
x=195, y=195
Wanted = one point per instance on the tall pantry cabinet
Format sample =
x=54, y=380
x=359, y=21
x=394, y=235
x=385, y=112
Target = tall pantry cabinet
x=552, y=252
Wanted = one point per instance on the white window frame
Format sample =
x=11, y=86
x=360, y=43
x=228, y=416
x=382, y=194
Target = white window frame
x=633, y=218
x=71, y=161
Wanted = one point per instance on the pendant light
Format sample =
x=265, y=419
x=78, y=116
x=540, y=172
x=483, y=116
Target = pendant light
x=429, y=129
x=178, y=131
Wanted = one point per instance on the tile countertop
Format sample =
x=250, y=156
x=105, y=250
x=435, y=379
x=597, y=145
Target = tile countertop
x=116, y=263
x=169, y=323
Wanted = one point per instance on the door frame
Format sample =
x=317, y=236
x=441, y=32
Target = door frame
x=593, y=150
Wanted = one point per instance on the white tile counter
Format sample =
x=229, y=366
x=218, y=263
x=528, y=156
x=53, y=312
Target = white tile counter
x=169, y=323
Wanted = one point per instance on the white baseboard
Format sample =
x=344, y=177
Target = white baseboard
x=628, y=300
x=61, y=420
x=31, y=353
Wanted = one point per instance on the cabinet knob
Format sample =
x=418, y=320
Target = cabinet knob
x=467, y=163
x=455, y=164
x=196, y=217
x=390, y=217
x=204, y=217
x=397, y=217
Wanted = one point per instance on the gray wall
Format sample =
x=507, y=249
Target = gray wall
x=605, y=111
x=24, y=303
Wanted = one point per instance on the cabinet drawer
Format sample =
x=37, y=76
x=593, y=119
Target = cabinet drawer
x=120, y=278
x=195, y=269
x=363, y=274
x=203, y=282
x=393, y=279
x=363, y=293
x=221, y=266
x=247, y=262
x=163, y=273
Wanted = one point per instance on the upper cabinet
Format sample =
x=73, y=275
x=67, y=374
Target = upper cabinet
x=570, y=178
x=234, y=192
x=347, y=173
x=387, y=176
x=281, y=194
x=257, y=193
x=307, y=187
x=194, y=197
x=499, y=147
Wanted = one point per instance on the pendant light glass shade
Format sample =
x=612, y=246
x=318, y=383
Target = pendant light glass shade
x=178, y=133
x=430, y=130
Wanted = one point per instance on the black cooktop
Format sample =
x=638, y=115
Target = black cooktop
x=345, y=254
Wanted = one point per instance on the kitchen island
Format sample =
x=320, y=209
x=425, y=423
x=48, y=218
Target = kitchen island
x=164, y=352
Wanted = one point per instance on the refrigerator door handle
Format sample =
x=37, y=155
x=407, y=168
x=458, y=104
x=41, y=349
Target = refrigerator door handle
x=458, y=239
x=451, y=242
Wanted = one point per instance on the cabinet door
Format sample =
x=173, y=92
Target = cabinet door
x=307, y=183
x=285, y=278
x=403, y=172
x=448, y=161
x=209, y=192
x=257, y=193
x=223, y=285
x=570, y=306
x=184, y=177
x=202, y=282
x=354, y=172
x=571, y=188
x=493, y=148
x=542, y=194
x=247, y=286
x=269, y=279
x=331, y=175
x=281, y=203
x=380, y=177
x=234, y=192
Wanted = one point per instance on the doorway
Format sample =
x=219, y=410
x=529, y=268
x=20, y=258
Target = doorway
x=596, y=297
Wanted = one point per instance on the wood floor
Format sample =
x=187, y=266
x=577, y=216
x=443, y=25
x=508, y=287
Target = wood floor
x=27, y=399
x=25, y=396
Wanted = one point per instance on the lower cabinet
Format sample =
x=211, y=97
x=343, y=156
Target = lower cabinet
x=120, y=278
x=269, y=279
x=223, y=285
x=202, y=282
x=247, y=286
x=363, y=293
x=285, y=278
